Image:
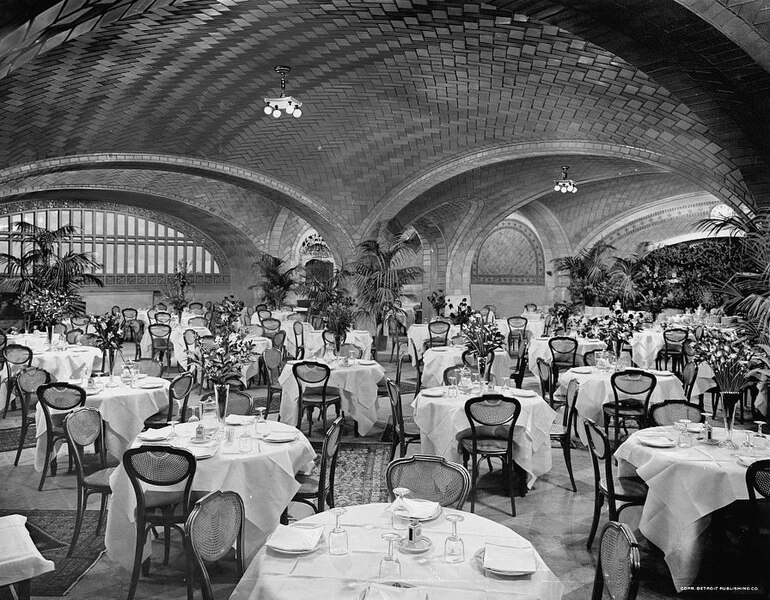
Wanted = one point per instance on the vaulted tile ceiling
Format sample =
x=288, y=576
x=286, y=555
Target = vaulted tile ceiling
x=414, y=111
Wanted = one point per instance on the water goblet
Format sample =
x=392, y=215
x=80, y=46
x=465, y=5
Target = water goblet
x=759, y=440
x=400, y=518
x=338, y=537
x=685, y=439
x=390, y=567
x=454, y=548
x=244, y=443
x=452, y=379
x=746, y=447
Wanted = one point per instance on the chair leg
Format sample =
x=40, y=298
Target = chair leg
x=24, y=428
x=102, y=512
x=78, y=519
x=48, y=449
x=166, y=544
x=565, y=445
x=141, y=534
x=508, y=465
x=598, y=502
x=474, y=475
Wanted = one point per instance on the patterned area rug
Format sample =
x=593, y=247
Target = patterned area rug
x=51, y=531
x=360, y=476
x=9, y=438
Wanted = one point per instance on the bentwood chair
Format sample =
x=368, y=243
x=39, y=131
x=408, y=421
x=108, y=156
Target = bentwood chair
x=431, y=478
x=279, y=341
x=129, y=322
x=471, y=361
x=15, y=357
x=73, y=335
x=673, y=349
x=238, y=403
x=438, y=334
x=419, y=367
x=689, y=377
x=492, y=410
x=312, y=381
x=589, y=358
x=80, y=323
x=670, y=411
x=159, y=467
x=632, y=390
x=521, y=368
x=160, y=334
x=263, y=313
x=299, y=340
x=619, y=564
x=214, y=527
x=517, y=334
x=151, y=315
x=563, y=433
x=270, y=327
x=162, y=306
x=162, y=317
x=397, y=335
x=563, y=354
x=190, y=338
x=60, y=397
x=530, y=307
x=330, y=344
x=403, y=433
x=545, y=375
x=453, y=371
x=272, y=360
x=317, y=490
x=83, y=427
x=620, y=492
x=27, y=382
x=149, y=367
x=197, y=322
x=193, y=306
x=351, y=351
x=178, y=393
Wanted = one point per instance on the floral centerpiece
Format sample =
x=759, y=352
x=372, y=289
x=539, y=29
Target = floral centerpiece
x=618, y=328
x=731, y=358
x=176, y=295
x=110, y=335
x=223, y=361
x=229, y=312
x=561, y=312
x=48, y=307
x=481, y=338
x=462, y=314
x=438, y=301
x=339, y=317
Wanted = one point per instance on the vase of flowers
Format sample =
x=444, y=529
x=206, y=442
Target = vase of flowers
x=338, y=318
x=438, y=301
x=482, y=338
x=176, y=295
x=462, y=314
x=229, y=312
x=110, y=337
x=618, y=328
x=560, y=312
x=48, y=307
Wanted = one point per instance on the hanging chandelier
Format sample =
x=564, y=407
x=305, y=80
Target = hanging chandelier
x=287, y=104
x=565, y=184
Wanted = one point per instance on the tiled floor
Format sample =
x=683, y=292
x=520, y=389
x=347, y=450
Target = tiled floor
x=554, y=518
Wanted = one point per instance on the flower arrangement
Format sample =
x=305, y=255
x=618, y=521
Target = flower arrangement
x=176, y=295
x=339, y=316
x=619, y=327
x=438, y=301
x=224, y=360
x=109, y=331
x=729, y=356
x=482, y=337
x=229, y=311
x=48, y=306
x=463, y=314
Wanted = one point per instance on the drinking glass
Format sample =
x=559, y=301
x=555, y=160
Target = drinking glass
x=685, y=439
x=338, y=537
x=746, y=447
x=390, y=567
x=244, y=443
x=400, y=518
x=229, y=435
x=759, y=440
x=454, y=548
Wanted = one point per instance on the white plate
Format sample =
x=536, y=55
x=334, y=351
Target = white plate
x=439, y=348
x=151, y=385
x=657, y=442
x=433, y=392
x=93, y=391
x=153, y=435
x=583, y=370
x=207, y=440
x=478, y=558
x=285, y=440
x=367, y=362
x=523, y=393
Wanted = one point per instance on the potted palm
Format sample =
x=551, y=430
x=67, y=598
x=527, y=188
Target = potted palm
x=276, y=281
x=385, y=264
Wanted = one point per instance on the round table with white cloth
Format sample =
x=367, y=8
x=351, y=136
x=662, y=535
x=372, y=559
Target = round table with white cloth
x=539, y=348
x=442, y=421
x=274, y=576
x=535, y=324
x=437, y=360
x=419, y=335
x=123, y=408
x=686, y=485
x=314, y=341
x=177, y=342
x=264, y=478
x=595, y=390
x=357, y=385
x=645, y=346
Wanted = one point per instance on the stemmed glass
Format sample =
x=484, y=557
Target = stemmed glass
x=400, y=519
x=452, y=379
x=260, y=420
x=338, y=537
x=746, y=446
x=454, y=548
x=759, y=439
x=390, y=567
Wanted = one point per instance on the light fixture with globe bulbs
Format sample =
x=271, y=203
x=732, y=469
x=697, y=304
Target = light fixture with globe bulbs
x=565, y=184
x=287, y=104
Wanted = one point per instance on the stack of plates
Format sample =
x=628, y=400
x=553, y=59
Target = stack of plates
x=506, y=561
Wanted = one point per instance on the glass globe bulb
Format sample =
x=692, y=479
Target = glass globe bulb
x=290, y=109
x=569, y=187
x=268, y=110
x=556, y=188
x=297, y=113
x=564, y=190
x=276, y=113
x=574, y=190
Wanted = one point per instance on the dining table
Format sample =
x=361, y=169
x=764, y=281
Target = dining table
x=263, y=474
x=539, y=348
x=177, y=343
x=418, y=334
x=535, y=324
x=439, y=358
x=686, y=486
x=357, y=385
x=20, y=560
x=274, y=575
x=595, y=390
x=442, y=421
x=123, y=408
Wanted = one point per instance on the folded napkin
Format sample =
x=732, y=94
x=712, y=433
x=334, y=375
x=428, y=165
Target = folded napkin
x=294, y=539
x=747, y=461
x=510, y=559
x=379, y=591
x=155, y=435
x=281, y=436
x=419, y=509
x=239, y=420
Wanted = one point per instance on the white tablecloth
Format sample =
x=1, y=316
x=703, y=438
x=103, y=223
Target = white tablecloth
x=535, y=324
x=357, y=386
x=278, y=577
x=645, y=346
x=419, y=335
x=124, y=411
x=436, y=362
x=596, y=390
x=177, y=342
x=264, y=478
x=538, y=348
x=19, y=558
x=686, y=486
x=70, y=364
x=442, y=421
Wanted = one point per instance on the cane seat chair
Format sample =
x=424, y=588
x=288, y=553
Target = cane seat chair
x=453, y=371
x=270, y=327
x=330, y=344
x=272, y=359
x=312, y=382
x=589, y=358
x=563, y=354
x=317, y=491
x=521, y=368
x=160, y=335
x=351, y=351
x=530, y=307
x=129, y=320
x=162, y=317
x=263, y=313
x=544, y=373
x=632, y=390
x=161, y=306
x=73, y=335
x=673, y=349
x=299, y=340
x=404, y=432
x=238, y=403
x=620, y=492
x=671, y=411
x=517, y=334
x=689, y=377
x=215, y=526
x=27, y=382
x=491, y=411
x=178, y=397
x=59, y=397
x=279, y=341
x=83, y=427
x=563, y=433
x=190, y=338
x=397, y=335
x=438, y=334
x=619, y=564
x=80, y=322
x=195, y=306
x=15, y=357
x=419, y=366
x=431, y=478
x=197, y=322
